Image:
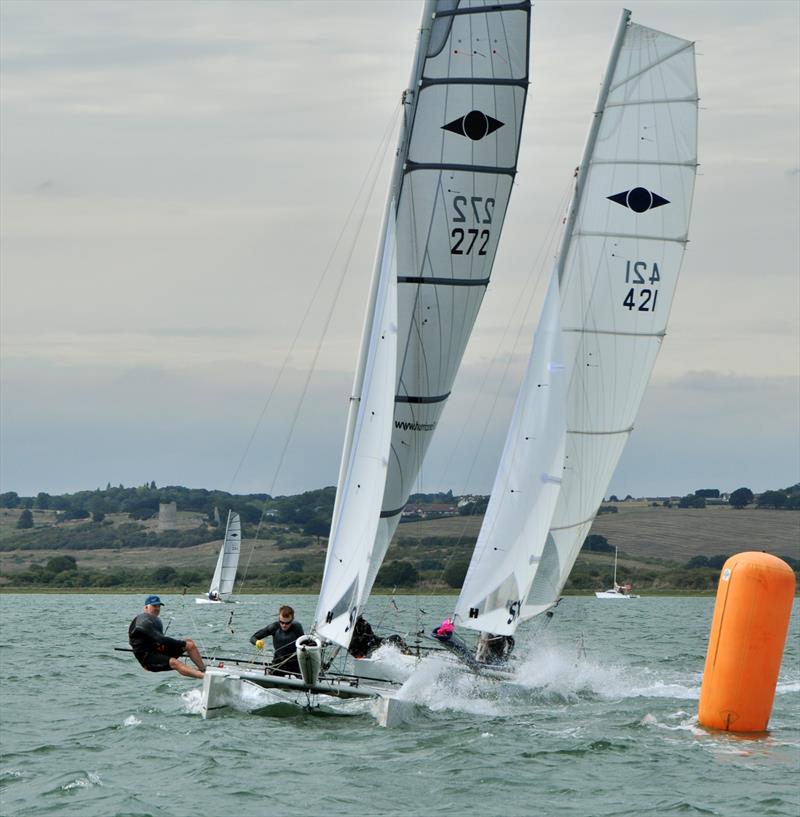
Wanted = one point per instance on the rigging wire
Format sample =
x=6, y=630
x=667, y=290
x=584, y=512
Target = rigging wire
x=368, y=183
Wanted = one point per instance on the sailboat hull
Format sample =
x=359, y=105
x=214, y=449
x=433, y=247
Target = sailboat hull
x=392, y=666
x=201, y=600
x=224, y=688
x=611, y=594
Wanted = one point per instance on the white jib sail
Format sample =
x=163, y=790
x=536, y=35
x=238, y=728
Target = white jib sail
x=526, y=488
x=228, y=561
x=360, y=491
x=463, y=118
x=619, y=262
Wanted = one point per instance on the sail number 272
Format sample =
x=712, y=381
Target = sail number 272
x=638, y=273
x=473, y=238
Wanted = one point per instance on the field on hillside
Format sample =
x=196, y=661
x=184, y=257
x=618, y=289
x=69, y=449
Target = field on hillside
x=256, y=554
x=680, y=533
x=675, y=534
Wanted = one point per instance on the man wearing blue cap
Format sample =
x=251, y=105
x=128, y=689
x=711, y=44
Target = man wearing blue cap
x=157, y=652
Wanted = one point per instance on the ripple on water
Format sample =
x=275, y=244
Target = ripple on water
x=8, y=776
x=611, y=732
x=34, y=751
x=84, y=780
x=594, y=747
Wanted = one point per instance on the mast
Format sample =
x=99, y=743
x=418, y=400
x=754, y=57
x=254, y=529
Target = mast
x=591, y=139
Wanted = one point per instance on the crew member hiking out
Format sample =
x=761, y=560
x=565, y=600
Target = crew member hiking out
x=445, y=634
x=494, y=649
x=364, y=640
x=157, y=652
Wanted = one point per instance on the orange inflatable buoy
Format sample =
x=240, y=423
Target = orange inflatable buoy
x=748, y=633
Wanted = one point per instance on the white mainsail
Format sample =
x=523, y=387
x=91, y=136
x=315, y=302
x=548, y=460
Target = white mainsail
x=455, y=166
x=617, y=269
x=228, y=561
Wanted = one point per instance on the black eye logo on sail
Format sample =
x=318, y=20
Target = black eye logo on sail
x=639, y=199
x=475, y=125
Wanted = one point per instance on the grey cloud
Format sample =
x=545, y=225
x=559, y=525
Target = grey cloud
x=218, y=145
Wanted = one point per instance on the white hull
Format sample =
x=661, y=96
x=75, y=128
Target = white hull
x=385, y=664
x=378, y=679
x=224, y=688
x=613, y=594
x=203, y=600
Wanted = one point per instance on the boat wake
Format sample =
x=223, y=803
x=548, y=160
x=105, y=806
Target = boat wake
x=548, y=675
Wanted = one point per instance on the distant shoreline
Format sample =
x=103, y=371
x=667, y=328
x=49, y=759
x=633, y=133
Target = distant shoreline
x=286, y=591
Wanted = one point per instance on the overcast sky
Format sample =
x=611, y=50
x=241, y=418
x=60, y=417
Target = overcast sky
x=175, y=177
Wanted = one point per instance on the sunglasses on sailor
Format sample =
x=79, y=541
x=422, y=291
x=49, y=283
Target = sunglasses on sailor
x=287, y=622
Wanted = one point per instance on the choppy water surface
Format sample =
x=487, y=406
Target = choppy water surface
x=604, y=723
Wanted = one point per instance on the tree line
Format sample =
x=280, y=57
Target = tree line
x=141, y=502
x=312, y=509
x=433, y=564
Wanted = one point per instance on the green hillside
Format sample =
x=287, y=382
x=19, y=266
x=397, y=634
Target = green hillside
x=659, y=546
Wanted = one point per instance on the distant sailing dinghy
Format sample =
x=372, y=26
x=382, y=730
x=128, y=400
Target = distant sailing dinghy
x=227, y=563
x=618, y=591
x=603, y=322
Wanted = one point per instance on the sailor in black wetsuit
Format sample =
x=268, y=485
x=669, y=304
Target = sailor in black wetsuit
x=157, y=652
x=285, y=631
x=494, y=649
x=364, y=641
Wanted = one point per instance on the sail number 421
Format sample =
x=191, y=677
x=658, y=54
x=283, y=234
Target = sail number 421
x=638, y=273
x=473, y=238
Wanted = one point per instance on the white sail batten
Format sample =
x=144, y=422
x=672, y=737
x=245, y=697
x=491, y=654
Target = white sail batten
x=526, y=488
x=619, y=264
x=358, y=496
x=224, y=577
x=453, y=175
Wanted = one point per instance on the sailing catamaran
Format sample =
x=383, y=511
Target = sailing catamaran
x=603, y=322
x=227, y=562
x=617, y=591
x=452, y=179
